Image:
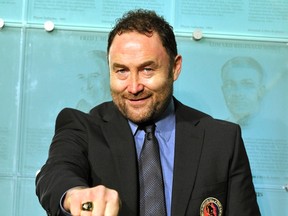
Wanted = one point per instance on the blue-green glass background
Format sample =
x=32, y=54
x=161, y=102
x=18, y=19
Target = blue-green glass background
x=42, y=72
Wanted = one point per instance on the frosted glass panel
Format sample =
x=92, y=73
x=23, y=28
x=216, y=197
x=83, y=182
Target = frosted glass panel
x=89, y=12
x=9, y=97
x=237, y=17
x=272, y=202
x=65, y=69
x=251, y=90
x=27, y=201
x=11, y=10
x=6, y=196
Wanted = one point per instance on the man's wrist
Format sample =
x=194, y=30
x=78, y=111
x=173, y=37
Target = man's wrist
x=63, y=202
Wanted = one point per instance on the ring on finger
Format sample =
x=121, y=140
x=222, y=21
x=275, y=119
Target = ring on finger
x=87, y=206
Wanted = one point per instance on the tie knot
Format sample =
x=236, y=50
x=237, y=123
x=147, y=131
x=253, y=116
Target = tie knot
x=149, y=128
x=149, y=131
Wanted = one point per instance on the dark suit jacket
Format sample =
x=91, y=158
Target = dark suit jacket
x=98, y=148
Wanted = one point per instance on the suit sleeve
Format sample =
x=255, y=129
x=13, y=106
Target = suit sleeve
x=241, y=197
x=67, y=165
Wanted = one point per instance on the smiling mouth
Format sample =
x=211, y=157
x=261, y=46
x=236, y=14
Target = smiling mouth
x=138, y=101
x=138, y=97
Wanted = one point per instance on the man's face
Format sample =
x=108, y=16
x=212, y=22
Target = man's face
x=242, y=91
x=141, y=75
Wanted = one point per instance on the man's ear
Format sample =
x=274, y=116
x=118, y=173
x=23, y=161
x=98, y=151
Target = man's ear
x=177, y=67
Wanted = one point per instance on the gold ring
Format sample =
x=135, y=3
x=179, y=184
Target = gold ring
x=87, y=206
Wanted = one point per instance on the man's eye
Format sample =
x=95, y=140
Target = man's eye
x=122, y=73
x=120, y=70
x=147, y=69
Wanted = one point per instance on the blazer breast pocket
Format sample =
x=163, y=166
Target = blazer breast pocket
x=214, y=190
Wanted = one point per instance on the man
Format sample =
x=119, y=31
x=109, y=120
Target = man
x=242, y=88
x=92, y=167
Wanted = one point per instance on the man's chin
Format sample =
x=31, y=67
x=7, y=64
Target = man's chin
x=139, y=119
x=138, y=116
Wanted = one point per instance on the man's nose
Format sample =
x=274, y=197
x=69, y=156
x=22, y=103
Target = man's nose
x=135, y=85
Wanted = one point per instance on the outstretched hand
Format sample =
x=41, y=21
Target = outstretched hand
x=104, y=201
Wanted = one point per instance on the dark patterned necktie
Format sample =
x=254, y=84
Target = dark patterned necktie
x=152, y=201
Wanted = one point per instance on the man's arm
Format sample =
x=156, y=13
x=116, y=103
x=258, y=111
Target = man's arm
x=68, y=167
x=241, y=197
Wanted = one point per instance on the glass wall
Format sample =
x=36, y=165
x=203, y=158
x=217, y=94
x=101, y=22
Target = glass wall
x=43, y=71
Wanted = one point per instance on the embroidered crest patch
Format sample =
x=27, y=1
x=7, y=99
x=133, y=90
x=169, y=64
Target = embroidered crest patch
x=211, y=207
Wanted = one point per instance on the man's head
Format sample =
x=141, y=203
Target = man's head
x=143, y=63
x=242, y=87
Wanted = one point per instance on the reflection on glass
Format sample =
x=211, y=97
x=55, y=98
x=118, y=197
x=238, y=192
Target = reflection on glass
x=95, y=84
x=242, y=88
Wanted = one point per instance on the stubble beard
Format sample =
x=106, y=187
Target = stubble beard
x=149, y=112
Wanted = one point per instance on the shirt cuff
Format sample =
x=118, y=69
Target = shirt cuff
x=63, y=211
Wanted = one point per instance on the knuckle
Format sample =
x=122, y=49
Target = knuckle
x=114, y=194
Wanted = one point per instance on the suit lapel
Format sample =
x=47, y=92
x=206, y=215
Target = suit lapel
x=188, y=149
x=121, y=142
